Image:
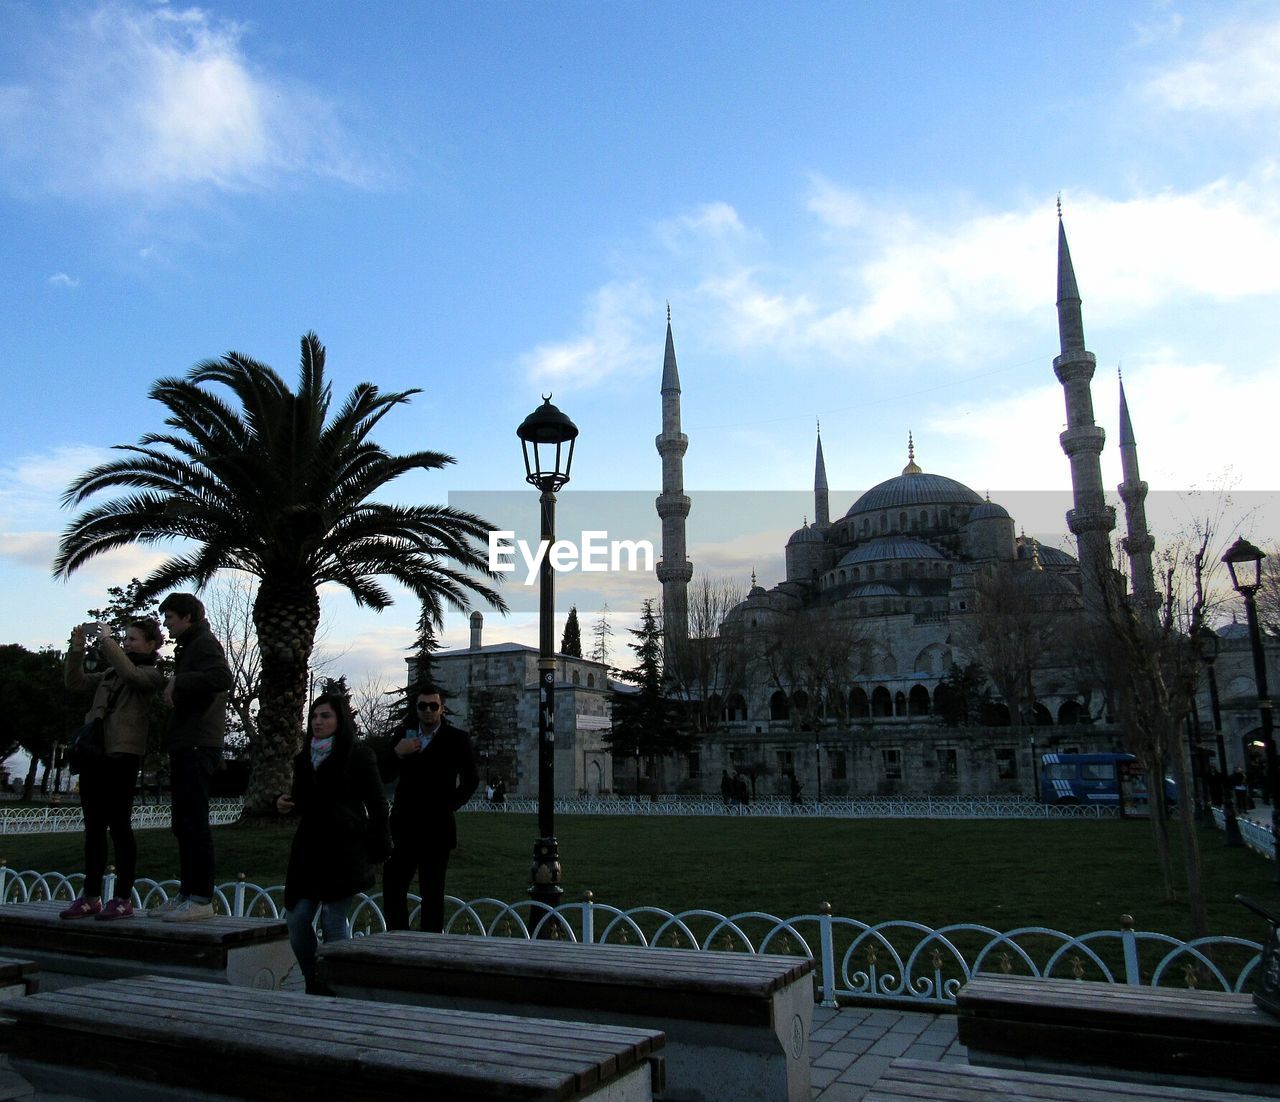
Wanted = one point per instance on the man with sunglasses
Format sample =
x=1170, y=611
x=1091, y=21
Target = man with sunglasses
x=435, y=773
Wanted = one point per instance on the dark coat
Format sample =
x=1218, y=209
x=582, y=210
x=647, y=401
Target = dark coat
x=342, y=832
x=430, y=786
x=201, y=678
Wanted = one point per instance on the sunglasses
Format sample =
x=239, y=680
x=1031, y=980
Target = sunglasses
x=428, y=706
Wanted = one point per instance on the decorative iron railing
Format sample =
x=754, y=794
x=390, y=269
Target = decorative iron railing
x=1257, y=836
x=898, y=962
x=68, y=819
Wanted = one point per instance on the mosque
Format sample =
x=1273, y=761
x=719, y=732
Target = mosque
x=900, y=571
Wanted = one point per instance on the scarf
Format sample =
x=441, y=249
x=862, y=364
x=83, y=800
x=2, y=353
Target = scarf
x=320, y=749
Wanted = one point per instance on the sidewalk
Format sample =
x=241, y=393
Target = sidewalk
x=851, y=1047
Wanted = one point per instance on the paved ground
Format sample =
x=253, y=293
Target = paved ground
x=851, y=1047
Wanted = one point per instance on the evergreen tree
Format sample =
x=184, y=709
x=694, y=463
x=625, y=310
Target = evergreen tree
x=571, y=643
x=424, y=648
x=601, y=632
x=647, y=723
x=127, y=603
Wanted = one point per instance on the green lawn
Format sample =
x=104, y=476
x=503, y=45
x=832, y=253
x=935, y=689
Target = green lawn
x=1074, y=876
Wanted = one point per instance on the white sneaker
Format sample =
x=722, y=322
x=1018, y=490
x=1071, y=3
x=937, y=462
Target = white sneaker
x=163, y=910
x=190, y=911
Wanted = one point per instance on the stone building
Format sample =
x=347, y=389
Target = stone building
x=492, y=692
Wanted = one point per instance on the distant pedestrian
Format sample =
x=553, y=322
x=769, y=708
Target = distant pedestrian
x=122, y=700
x=741, y=791
x=197, y=693
x=726, y=788
x=795, y=790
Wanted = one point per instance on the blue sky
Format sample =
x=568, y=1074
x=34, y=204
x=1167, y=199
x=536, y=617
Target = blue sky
x=849, y=207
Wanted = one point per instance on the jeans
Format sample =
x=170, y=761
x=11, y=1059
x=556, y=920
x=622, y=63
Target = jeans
x=191, y=771
x=106, y=797
x=300, y=919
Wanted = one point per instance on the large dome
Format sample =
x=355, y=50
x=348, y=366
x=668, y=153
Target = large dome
x=913, y=490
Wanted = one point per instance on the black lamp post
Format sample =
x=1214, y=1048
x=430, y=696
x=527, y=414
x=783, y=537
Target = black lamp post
x=1207, y=645
x=1245, y=563
x=817, y=747
x=543, y=436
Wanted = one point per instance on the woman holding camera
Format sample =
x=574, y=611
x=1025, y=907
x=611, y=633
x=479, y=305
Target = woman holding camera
x=342, y=833
x=122, y=698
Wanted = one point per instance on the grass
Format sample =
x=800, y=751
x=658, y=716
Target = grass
x=1074, y=876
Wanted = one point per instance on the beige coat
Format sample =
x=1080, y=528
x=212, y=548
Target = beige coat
x=124, y=688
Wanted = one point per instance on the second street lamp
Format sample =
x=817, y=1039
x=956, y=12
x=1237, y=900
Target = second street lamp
x=1244, y=561
x=546, y=437
x=1207, y=645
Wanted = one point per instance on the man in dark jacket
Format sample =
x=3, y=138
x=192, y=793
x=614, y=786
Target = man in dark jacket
x=435, y=773
x=197, y=693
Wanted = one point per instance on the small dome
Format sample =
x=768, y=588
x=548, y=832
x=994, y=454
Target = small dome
x=808, y=534
x=891, y=548
x=989, y=510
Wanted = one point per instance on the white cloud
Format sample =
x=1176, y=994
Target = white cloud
x=61, y=279
x=164, y=103
x=611, y=341
x=1235, y=71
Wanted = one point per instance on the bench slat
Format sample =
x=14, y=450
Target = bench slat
x=267, y=1037
x=935, y=1082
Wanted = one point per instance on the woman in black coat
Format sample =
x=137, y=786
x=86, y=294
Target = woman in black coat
x=342, y=833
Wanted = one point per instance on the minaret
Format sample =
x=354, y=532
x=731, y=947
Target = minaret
x=821, y=507
x=1092, y=520
x=674, y=569
x=1138, y=543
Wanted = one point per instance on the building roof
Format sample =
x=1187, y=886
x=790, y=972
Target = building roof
x=911, y=490
x=891, y=548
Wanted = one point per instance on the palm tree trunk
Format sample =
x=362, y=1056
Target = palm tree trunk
x=286, y=615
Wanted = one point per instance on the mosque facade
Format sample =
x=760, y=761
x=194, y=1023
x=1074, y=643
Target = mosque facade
x=896, y=578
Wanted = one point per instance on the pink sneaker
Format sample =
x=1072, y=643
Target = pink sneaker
x=115, y=908
x=82, y=908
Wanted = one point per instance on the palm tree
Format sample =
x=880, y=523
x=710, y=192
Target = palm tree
x=280, y=489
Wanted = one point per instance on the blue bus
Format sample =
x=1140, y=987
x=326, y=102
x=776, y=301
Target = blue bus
x=1093, y=779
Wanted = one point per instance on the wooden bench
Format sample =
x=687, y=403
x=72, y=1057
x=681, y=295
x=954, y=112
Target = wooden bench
x=243, y=952
x=1217, y=1037
x=153, y=1038
x=18, y=978
x=926, y=1081
x=737, y=1024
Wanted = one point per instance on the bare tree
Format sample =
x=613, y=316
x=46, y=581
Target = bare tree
x=376, y=704
x=1019, y=618
x=229, y=605
x=709, y=667
x=814, y=663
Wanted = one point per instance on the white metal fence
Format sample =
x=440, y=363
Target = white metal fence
x=899, y=962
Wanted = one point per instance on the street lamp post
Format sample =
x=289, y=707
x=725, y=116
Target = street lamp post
x=817, y=746
x=544, y=435
x=1207, y=644
x=1239, y=558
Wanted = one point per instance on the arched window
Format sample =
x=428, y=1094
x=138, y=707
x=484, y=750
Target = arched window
x=884, y=522
x=857, y=573
x=859, y=706
x=918, y=701
x=1069, y=713
x=779, y=708
x=899, y=703
x=577, y=678
x=924, y=518
x=995, y=714
x=1040, y=715
x=736, y=709
x=902, y=522
x=881, y=702
x=591, y=681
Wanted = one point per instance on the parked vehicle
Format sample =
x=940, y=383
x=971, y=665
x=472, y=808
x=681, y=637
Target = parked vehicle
x=1093, y=779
